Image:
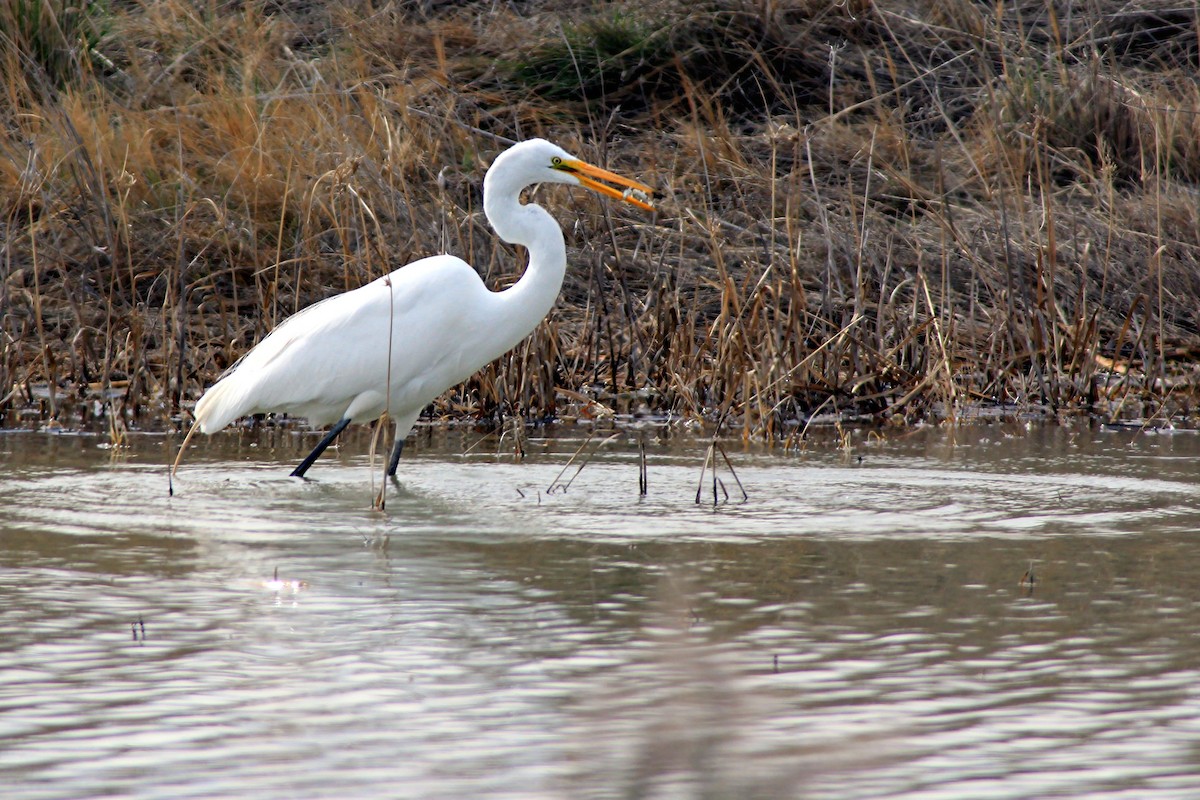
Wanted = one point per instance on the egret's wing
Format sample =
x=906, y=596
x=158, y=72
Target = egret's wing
x=318, y=360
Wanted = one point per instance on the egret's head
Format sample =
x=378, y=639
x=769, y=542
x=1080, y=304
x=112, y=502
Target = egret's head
x=538, y=161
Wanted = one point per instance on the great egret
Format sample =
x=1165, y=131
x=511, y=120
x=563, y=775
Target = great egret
x=398, y=342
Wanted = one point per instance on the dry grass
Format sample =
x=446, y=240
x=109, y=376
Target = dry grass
x=884, y=212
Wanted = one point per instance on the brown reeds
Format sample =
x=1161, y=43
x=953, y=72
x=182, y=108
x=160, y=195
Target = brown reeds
x=867, y=212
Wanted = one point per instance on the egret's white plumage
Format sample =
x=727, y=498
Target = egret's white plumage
x=397, y=343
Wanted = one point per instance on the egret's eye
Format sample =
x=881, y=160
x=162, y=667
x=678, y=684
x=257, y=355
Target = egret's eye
x=556, y=161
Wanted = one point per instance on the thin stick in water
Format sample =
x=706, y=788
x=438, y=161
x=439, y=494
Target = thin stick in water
x=557, y=483
x=558, y=478
x=179, y=458
x=719, y=491
x=379, y=500
x=708, y=454
x=733, y=472
x=642, y=477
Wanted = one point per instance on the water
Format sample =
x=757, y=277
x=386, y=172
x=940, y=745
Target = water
x=859, y=628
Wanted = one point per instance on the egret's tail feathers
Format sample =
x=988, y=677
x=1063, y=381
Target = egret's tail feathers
x=219, y=406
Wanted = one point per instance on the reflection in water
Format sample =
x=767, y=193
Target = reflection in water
x=855, y=630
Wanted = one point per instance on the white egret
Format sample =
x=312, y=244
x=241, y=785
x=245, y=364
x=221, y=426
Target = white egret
x=395, y=344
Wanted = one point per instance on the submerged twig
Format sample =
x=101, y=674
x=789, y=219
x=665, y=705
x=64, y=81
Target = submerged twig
x=733, y=472
x=708, y=454
x=642, y=477
x=179, y=457
x=379, y=500
x=710, y=466
x=1029, y=578
x=557, y=483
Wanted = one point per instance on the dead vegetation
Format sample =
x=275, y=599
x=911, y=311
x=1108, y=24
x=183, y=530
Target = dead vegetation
x=875, y=211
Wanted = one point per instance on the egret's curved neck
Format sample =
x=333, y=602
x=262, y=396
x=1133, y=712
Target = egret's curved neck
x=530, y=299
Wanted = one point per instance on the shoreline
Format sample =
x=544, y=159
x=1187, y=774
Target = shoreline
x=862, y=213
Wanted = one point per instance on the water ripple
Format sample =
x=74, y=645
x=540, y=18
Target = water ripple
x=850, y=632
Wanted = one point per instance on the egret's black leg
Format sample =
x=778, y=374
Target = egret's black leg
x=395, y=459
x=299, y=471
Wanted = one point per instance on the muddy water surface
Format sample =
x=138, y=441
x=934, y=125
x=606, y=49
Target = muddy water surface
x=861, y=627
